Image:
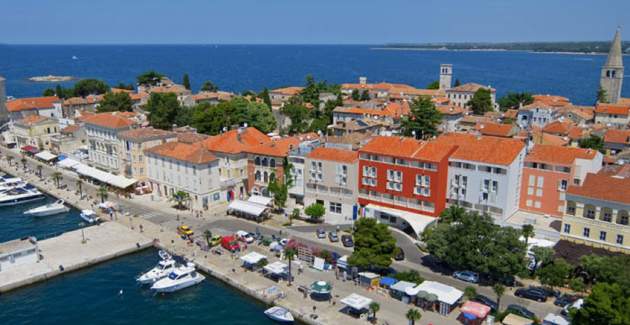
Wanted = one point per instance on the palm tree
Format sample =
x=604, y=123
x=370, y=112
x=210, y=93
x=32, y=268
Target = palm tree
x=57, y=177
x=289, y=255
x=10, y=159
x=80, y=186
x=23, y=160
x=528, y=231
x=103, y=193
x=470, y=292
x=498, y=289
x=413, y=315
x=180, y=197
x=39, y=170
x=374, y=308
x=207, y=234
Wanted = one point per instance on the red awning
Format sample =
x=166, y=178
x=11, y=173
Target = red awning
x=30, y=149
x=474, y=308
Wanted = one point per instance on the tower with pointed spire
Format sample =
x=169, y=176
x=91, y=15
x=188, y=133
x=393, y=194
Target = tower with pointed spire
x=611, y=78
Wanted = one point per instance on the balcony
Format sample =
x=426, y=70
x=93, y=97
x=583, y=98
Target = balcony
x=229, y=182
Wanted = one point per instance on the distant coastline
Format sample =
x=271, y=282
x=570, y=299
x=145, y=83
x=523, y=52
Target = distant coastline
x=484, y=50
x=51, y=78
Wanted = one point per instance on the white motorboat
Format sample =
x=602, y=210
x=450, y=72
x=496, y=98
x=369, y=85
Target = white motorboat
x=48, y=209
x=9, y=183
x=89, y=216
x=181, y=277
x=160, y=271
x=280, y=315
x=20, y=195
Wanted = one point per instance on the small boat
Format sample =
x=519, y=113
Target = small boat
x=180, y=278
x=280, y=315
x=74, y=57
x=20, y=195
x=89, y=216
x=160, y=271
x=48, y=209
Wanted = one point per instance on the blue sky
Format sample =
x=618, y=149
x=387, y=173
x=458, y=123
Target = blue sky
x=307, y=22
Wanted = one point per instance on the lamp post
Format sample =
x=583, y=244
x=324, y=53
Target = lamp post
x=82, y=225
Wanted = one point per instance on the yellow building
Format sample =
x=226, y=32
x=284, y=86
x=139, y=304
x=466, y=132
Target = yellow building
x=597, y=212
x=35, y=130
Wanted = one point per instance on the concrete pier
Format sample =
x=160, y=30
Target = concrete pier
x=68, y=252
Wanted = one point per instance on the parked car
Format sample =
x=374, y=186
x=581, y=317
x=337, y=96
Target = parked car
x=332, y=236
x=283, y=241
x=547, y=291
x=215, y=240
x=184, y=231
x=245, y=236
x=468, y=276
x=321, y=233
x=520, y=310
x=531, y=293
x=565, y=299
x=346, y=240
x=574, y=305
x=486, y=301
x=230, y=243
x=399, y=254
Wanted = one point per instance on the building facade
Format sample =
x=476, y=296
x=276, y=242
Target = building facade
x=102, y=131
x=597, y=213
x=615, y=115
x=36, y=131
x=548, y=172
x=49, y=106
x=133, y=143
x=461, y=95
x=611, y=79
x=331, y=179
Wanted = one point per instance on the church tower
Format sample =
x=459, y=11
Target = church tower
x=446, y=76
x=612, y=72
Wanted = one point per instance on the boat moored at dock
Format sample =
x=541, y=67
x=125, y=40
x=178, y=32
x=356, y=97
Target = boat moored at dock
x=280, y=315
x=20, y=195
x=182, y=277
x=164, y=267
x=48, y=209
x=89, y=216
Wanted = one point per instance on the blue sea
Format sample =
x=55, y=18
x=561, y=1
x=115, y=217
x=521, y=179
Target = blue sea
x=254, y=67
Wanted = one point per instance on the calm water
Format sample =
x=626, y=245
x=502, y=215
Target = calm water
x=242, y=67
x=92, y=296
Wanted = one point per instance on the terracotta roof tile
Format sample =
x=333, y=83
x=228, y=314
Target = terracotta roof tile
x=598, y=186
x=193, y=153
x=287, y=91
x=333, y=154
x=558, y=127
x=612, y=109
x=496, y=129
x=24, y=104
x=559, y=155
x=550, y=100
x=470, y=87
x=450, y=109
x=405, y=147
x=34, y=119
x=146, y=134
x=617, y=136
x=236, y=141
x=108, y=120
x=71, y=128
x=492, y=150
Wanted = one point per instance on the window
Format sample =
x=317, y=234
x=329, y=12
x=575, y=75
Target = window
x=423, y=185
x=495, y=186
x=335, y=207
x=586, y=232
x=563, y=185
x=620, y=239
x=528, y=203
x=532, y=180
x=369, y=176
x=607, y=215
x=272, y=163
x=590, y=213
x=602, y=235
x=541, y=181
x=567, y=228
x=257, y=161
x=341, y=178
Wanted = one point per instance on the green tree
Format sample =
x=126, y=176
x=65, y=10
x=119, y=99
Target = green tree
x=180, y=197
x=207, y=234
x=554, y=274
x=211, y=119
x=592, y=142
x=499, y=290
x=527, y=231
x=434, y=85
x=87, y=87
x=315, y=211
x=186, y=81
x=57, y=176
x=365, y=95
x=607, y=304
x=209, y=86
x=457, y=83
x=413, y=315
x=373, y=244
x=515, y=100
x=454, y=213
x=264, y=95
x=295, y=214
x=103, y=193
x=113, y=102
x=149, y=78
x=602, y=95
x=577, y=284
x=470, y=292
x=48, y=92
x=374, y=308
x=481, y=102
x=410, y=276
x=289, y=255
x=610, y=269
x=279, y=191
x=543, y=255
x=299, y=115
x=424, y=119
x=356, y=95
x=163, y=109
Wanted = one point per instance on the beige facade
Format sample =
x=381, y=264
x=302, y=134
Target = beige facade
x=133, y=143
x=35, y=131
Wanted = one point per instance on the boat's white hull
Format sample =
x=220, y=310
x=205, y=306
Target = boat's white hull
x=48, y=212
x=17, y=201
x=89, y=218
x=152, y=276
x=285, y=317
x=178, y=286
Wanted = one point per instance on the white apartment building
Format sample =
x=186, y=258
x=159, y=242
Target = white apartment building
x=103, y=142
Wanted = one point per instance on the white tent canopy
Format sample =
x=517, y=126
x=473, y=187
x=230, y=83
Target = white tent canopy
x=253, y=258
x=45, y=155
x=418, y=222
x=68, y=163
x=250, y=208
x=101, y=176
x=262, y=200
x=356, y=302
x=277, y=268
x=444, y=293
x=402, y=286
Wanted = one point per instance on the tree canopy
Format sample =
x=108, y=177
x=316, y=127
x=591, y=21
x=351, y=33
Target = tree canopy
x=481, y=102
x=514, y=100
x=299, y=116
x=87, y=87
x=423, y=120
x=209, y=86
x=434, y=85
x=186, y=81
x=149, y=78
x=374, y=244
x=489, y=248
x=593, y=142
x=607, y=304
x=211, y=119
x=315, y=211
x=113, y=102
x=554, y=274
x=163, y=109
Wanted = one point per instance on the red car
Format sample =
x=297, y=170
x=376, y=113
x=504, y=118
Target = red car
x=230, y=243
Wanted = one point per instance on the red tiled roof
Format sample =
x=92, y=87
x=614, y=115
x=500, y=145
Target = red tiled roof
x=495, y=129
x=24, y=104
x=193, y=153
x=612, y=109
x=287, y=91
x=405, y=147
x=492, y=150
x=558, y=127
x=449, y=109
x=333, y=154
x=32, y=120
x=559, y=155
x=108, y=120
x=617, y=136
x=550, y=100
x=471, y=87
x=144, y=134
x=600, y=187
x=71, y=128
x=277, y=148
x=236, y=141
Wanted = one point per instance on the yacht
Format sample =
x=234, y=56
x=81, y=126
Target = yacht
x=160, y=271
x=48, y=209
x=181, y=277
x=89, y=216
x=12, y=182
x=20, y=195
x=280, y=315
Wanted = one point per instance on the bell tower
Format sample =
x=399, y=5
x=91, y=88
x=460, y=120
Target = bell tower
x=446, y=76
x=611, y=78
